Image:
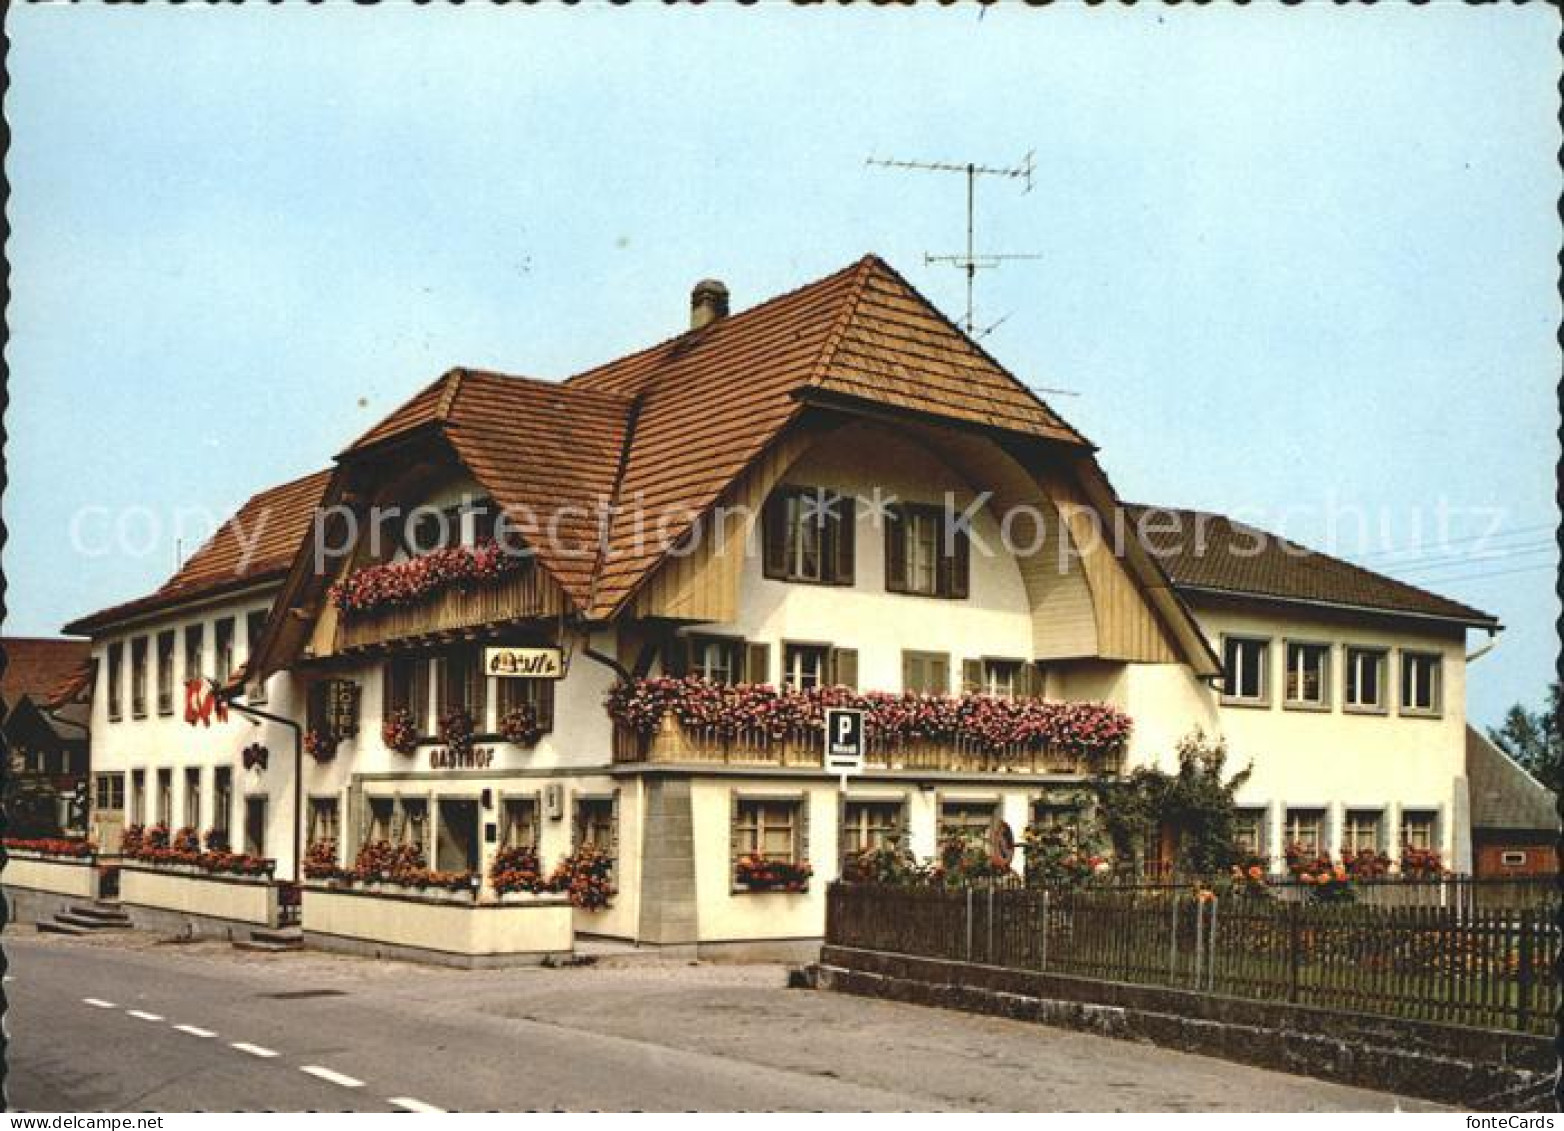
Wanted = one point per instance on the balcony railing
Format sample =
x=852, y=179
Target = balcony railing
x=516, y=596
x=674, y=742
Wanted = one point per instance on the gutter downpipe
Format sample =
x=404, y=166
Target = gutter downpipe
x=1493, y=642
x=257, y=715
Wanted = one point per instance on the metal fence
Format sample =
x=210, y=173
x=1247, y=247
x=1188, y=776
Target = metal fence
x=1465, y=964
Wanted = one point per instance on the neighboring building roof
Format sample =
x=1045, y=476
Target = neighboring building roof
x=1503, y=795
x=37, y=666
x=257, y=544
x=1212, y=553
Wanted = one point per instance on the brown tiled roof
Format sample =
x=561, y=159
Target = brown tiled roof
x=37, y=666
x=258, y=543
x=712, y=399
x=1505, y=796
x=1215, y=553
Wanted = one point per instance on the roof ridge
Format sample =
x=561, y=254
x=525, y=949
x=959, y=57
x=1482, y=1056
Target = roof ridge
x=981, y=352
x=728, y=320
x=453, y=388
x=833, y=340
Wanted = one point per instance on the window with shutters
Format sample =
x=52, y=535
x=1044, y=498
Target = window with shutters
x=222, y=799
x=769, y=829
x=324, y=824
x=809, y=535
x=1365, y=679
x=165, y=673
x=1249, y=831
x=967, y=820
x=1060, y=818
x=511, y=694
x=192, y=798
x=519, y=826
x=1420, y=680
x=719, y=659
x=406, y=688
x=114, y=674
x=925, y=673
x=138, y=677
x=805, y=665
x=223, y=647
x=1304, y=829
x=870, y=825
x=1360, y=831
x=195, y=646
x=1001, y=679
x=1417, y=829
x=597, y=824
x=463, y=683
x=925, y=552
x=1308, y=675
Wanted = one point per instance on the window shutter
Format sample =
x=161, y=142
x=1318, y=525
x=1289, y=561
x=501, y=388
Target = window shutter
x=956, y=567
x=420, y=685
x=939, y=674
x=911, y=669
x=843, y=536
x=477, y=689
x=895, y=550
x=773, y=522
x=1031, y=686
x=757, y=663
x=971, y=676
x=545, y=704
x=389, y=690
x=844, y=667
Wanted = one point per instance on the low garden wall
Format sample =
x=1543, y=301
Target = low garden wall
x=449, y=929
x=1481, y=1069
x=196, y=902
x=39, y=886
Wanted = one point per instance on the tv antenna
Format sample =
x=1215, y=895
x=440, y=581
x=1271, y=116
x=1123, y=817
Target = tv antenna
x=971, y=262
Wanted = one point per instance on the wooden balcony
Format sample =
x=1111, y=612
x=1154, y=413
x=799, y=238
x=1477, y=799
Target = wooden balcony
x=675, y=743
x=518, y=596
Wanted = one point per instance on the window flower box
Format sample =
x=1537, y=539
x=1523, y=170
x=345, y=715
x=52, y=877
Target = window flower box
x=758, y=874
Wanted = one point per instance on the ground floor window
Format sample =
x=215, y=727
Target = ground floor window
x=398, y=820
x=1417, y=829
x=804, y=665
x=456, y=843
x=1058, y=818
x=324, y=824
x=769, y=829
x=193, y=797
x=1305, y=830
x=597, y=824
x=967, y=820
x=255, y=826
x=520, y=827
x=138, y=797
x=1249, y=831
x=869, y=825
x=109, y=792
x=1360, y=831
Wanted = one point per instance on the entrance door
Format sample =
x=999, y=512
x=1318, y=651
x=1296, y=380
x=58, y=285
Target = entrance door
x=255, y=826
x=457, y=846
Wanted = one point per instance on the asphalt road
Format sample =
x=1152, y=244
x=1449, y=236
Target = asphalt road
x=130, y=1023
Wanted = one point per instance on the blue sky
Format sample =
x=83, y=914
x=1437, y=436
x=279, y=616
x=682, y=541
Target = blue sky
x=1295, y=263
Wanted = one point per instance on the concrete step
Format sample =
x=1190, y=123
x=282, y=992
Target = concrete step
x=91, y=922
x=111, y=914
x=50, y=927
x=268, y=947
x=282, y=935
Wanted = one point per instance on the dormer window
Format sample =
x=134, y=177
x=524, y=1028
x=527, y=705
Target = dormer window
x=809, y=536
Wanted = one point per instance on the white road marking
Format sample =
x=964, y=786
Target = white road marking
x=195, y=1032
x=144, y=1015
x=330, y=1076
x=253, y=1050
x=407, y=1103
x=100, y=1003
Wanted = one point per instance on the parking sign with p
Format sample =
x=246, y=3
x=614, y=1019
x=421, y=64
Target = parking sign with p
x=844, y=740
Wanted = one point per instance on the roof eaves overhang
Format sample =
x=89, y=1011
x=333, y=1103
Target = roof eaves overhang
x=868, y=407
x=1482, y=621
x=154, y=605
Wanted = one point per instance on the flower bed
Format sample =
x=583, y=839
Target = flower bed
x=380, y=863
x=405, y=583
x=1091, y=730
x=182, y=849
x=52, y=846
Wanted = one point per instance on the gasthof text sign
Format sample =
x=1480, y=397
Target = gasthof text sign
x=844, y=740
x=524, y=663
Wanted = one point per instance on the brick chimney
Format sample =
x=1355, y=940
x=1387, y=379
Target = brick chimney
x=708, y=302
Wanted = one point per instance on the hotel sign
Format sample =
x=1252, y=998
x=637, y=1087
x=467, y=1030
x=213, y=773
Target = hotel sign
x=524, y=663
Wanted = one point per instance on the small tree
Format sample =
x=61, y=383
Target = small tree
x=1532, y=738
x=1194, y=801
